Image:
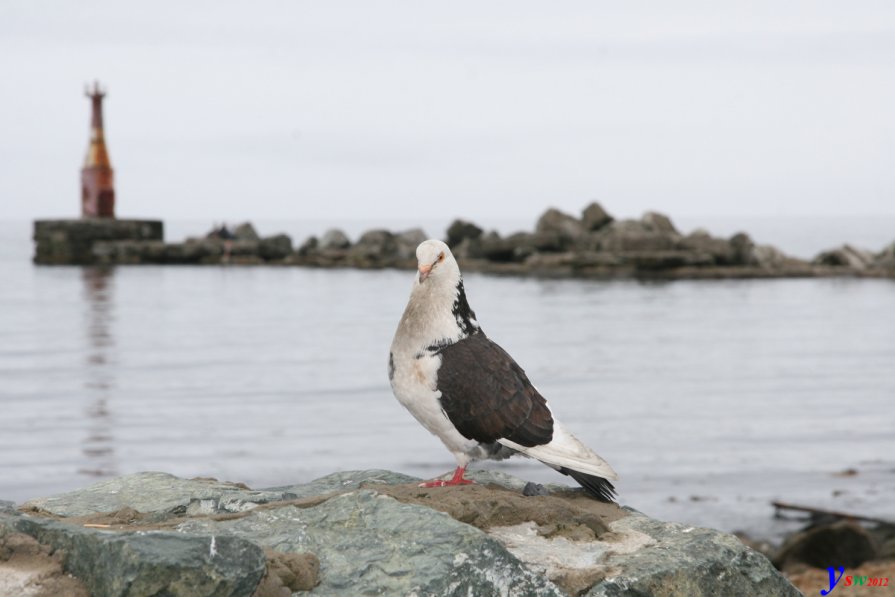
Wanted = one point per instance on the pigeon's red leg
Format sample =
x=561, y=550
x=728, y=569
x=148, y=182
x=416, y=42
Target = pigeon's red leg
x=457, y=479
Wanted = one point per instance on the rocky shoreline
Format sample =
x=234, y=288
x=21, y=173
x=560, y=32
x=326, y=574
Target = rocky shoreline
x=362, y=532
x=593, y=245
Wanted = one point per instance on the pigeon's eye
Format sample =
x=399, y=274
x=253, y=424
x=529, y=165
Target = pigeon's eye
x=440, y=257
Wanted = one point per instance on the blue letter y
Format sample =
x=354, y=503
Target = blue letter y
x=834, y=580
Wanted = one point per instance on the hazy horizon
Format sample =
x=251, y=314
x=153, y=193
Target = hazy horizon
x=229, y=111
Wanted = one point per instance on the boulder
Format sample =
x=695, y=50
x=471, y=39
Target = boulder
x=742, y=249
x=659, y=223
x=567, y=228
x=886, y=258
x=841, y=543
x=594, y=217
x=460, y=230
x=700, y=241
x=769, y=257
x=495, y=248
x=275, y=248
x=408, y=241
x=143, y=564
x=377, y=532
x=631, y=235
x=246, y=231
x=334, y=239
x=376, y=246
x=309, y=247
x=846, y=256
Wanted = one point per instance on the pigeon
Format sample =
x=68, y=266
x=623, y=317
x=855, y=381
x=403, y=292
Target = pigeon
x=468, y=391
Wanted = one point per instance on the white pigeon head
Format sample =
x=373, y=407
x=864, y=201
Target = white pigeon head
x=436, y=264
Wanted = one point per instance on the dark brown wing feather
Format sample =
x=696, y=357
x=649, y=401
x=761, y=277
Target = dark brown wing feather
x=487, y=396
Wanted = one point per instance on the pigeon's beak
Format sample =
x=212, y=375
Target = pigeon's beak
x=425, y=270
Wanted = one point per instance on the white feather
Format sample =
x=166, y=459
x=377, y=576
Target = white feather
x=564, y=450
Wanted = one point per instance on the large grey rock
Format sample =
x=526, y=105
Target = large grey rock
x=154, y=492
x=275, y=248
x=246, y=231
x=369, y=542
x=886, y=258
x=375, y=246
x=554, y=222
x=631, y=235
x=674, y=560
x=460, y=230
x=847, y=256
x=372, y=544
x=594, y=217
x=700, y=241
x=343, y=481
x=408, y=241
x=335, y=239
x=309, y=247
x=743, y=249
x=659, y=223
x=145, y=564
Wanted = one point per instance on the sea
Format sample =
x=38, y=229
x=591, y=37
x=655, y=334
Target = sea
x=712, y=399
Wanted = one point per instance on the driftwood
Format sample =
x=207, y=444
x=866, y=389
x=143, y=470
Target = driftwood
x=821, y=512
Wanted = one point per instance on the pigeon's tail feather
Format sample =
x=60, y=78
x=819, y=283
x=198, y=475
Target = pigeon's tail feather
x=599, y=487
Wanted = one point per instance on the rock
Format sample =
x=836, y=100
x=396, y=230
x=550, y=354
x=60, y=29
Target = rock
x=886, y=258
x=139, y=564
x=343, y=481
x=631, y=235
x=308, y=247
x=594, y=217
x=372, y=544
x=245, y=231
x=334, y=239
x=494, y=248
x=275, y=248
x=554, y=222
x=700, y=241
x=469, y=248
x=408, y=241
x=156, y=493
x=377, y=532
x=374, y=246
x=742, y=249
x=769, y=257
x=841, y=543
x=659, y=223
x=460, y=230
x=847, y=256
x=674, y=560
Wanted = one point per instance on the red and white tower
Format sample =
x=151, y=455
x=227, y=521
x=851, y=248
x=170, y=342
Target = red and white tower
x=97, y=188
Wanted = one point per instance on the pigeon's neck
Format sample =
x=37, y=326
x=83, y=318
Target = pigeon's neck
x=435, y=316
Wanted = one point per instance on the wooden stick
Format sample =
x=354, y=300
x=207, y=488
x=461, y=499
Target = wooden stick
x=810, y=510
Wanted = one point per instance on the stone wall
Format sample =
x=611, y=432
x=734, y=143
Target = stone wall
x=71, y=242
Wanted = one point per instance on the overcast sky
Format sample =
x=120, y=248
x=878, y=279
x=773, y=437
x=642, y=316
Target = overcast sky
x=227, y=110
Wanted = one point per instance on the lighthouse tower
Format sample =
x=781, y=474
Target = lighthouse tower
x=97, y=188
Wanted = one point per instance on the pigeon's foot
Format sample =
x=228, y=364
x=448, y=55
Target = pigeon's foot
x=457, y=479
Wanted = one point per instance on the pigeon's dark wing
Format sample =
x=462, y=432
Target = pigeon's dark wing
x=487, y=396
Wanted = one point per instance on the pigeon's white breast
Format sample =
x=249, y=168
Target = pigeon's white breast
x=414, y=384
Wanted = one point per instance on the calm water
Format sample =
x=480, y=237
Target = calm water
x=709, y=398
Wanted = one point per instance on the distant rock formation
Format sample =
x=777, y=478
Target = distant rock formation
x=594, y=245
x=377, y=532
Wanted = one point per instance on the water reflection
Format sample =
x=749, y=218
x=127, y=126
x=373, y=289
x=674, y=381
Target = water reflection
x=99, y=381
